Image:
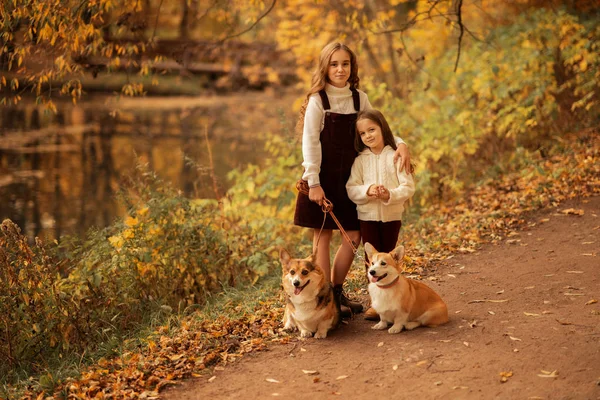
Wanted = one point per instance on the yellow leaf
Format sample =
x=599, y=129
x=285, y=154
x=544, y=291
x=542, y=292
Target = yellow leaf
x=130, y=221
x=548, y=374
x=505, y=375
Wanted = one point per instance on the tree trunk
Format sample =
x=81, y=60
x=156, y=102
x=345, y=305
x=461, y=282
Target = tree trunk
x=184, y=32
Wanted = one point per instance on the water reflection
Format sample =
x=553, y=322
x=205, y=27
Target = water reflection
x=59, y=173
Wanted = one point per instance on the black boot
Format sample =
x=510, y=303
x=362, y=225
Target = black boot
x=354, y=306
x=345, y=312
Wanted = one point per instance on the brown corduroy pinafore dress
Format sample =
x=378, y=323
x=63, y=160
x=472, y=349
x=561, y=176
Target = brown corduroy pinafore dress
x=338, y=154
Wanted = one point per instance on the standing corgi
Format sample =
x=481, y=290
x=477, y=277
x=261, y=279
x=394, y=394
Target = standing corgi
x=311, y=306
x=403, y=302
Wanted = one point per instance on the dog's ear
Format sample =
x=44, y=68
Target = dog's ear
x=284, y=257
x=397, y=254
x=370, y=250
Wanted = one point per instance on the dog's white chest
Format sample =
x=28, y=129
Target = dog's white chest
x=307, y=314
x=386, y=301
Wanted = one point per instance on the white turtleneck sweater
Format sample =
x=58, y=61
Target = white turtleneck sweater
x=340, y=100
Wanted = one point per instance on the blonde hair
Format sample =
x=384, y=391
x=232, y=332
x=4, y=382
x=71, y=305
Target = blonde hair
x=319, y=78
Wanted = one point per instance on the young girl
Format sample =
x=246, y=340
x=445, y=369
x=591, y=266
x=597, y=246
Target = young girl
x=378, y=188
x=327, y=119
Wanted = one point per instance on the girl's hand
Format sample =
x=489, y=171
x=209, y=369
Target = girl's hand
x=316, y=194
x=383, y=193
x=373, y=191
x=403, y=154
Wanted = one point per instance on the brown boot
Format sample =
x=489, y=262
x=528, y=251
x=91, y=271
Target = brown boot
x=371, y=315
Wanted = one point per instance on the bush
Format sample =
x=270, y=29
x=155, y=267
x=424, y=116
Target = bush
x=169, y=253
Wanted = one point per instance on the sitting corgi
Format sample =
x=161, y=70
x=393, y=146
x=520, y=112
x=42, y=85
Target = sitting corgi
x=311, y=306
x=403, y=302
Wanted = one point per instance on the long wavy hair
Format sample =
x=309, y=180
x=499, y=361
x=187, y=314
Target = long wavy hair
x=319, y=78
x=377, y=117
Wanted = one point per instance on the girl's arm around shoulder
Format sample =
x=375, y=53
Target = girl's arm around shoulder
x=311, y=143
x=365, y=104
x=357, y=190
x=405, y=189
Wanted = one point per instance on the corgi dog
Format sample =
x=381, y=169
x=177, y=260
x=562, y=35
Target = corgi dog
x=311, y=306
x=402, y=302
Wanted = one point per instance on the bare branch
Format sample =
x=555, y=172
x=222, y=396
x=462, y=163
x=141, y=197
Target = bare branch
x=156, y=21
x=412, y=60
x=251, y=27
x=462, y=30
x=414, y=19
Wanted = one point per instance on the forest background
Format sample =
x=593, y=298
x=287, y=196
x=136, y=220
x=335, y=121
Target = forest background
x=498, y=101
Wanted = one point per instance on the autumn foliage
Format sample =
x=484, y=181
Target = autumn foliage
x=500, y=123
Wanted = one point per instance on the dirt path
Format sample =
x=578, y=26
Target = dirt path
x=543, y=279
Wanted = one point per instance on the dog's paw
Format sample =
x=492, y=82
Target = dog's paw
x=396, y=329
x=320, y=335
x=306, y=334
x=409, y=326
x=380, y=325
x=290, y=328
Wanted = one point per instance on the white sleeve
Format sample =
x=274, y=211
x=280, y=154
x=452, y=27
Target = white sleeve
x=366, y=103
x=404, y=190
x=357, y=190
x=311, y=143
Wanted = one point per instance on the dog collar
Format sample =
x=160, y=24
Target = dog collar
x=389, y=285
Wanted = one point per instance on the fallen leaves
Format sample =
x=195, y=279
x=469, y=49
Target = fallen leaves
x=563, y=322
x=592, y=301
x=487, y=301
x=572, y=211
x=271, y=380
x=548, y=374
x=310, y=372
x=504, y=375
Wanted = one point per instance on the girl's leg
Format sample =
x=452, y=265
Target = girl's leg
x=341, y=265
x=343, y=258
x=322, y=251
x=371, y=233
x=389, y=235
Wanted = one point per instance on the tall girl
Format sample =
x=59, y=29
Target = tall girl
x=378, y=188
x=327, y=119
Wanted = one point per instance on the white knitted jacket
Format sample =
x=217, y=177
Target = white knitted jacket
x=379, y=169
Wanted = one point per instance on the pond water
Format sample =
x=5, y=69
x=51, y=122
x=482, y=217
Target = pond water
x=59, y=173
